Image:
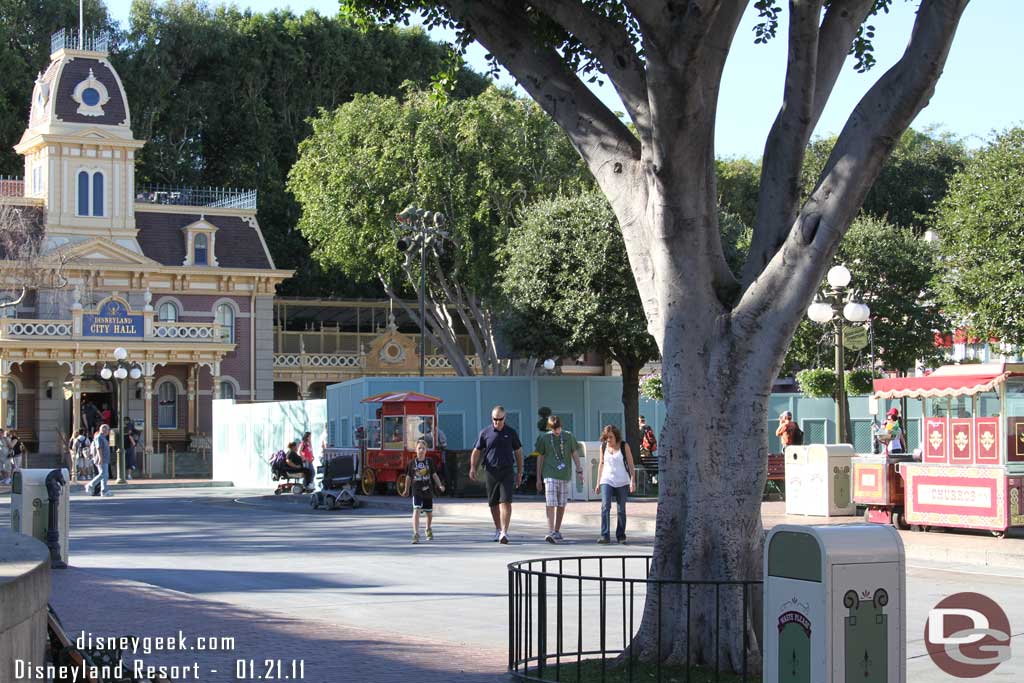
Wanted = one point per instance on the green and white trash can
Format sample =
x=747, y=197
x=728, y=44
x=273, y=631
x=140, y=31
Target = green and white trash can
x=835, y=605
x=819, y=480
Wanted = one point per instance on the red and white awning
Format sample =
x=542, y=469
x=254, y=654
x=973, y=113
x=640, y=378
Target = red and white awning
x=941, y=384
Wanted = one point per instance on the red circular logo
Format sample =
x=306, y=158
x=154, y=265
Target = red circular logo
x=967, y=635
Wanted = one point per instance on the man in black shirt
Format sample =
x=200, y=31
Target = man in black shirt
x=503, y=462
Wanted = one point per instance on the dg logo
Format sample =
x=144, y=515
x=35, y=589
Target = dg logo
x=967, y=635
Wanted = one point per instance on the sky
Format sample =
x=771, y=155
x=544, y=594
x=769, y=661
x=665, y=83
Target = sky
x=981, y=90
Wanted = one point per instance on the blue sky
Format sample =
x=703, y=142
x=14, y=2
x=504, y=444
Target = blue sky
x=982, y=89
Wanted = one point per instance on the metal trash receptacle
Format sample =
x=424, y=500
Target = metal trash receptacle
x=819, y=480
x=834, y=605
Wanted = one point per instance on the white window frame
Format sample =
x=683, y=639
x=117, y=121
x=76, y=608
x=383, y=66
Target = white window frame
x=160, y=406
x=90, y=208
x=160, y=308
x=227, y=331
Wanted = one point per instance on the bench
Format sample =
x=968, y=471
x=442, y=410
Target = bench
x=776, y=483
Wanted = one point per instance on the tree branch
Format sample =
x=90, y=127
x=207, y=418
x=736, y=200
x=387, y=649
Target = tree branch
x=815, y=59
x=873, y=129
x=614, y=50
x=503, y=28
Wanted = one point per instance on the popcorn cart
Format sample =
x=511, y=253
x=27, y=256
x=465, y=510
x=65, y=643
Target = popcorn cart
x=971, y=472
x=402, y=419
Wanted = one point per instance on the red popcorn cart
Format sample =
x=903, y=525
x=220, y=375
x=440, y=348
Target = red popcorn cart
x=402, y=419
x=971, y=472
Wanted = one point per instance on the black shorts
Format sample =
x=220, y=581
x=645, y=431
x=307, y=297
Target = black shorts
x=421, y=502
x=500, y=484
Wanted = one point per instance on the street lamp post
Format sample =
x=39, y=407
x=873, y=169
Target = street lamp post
x=422, y=231
x=121, y=371
x=834, y=307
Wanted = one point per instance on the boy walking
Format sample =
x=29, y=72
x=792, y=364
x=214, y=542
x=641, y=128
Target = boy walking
x=555, y=447
x=423, y=477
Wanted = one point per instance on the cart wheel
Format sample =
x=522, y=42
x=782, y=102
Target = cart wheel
x=369, y=481
x=313, y=502
x=277, y=491
x=999, y=534
x=402, y=485
x=296, y=489
x=330, y=502
x=899, y=522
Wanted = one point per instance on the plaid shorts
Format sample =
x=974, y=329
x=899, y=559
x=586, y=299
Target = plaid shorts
x=556, y=492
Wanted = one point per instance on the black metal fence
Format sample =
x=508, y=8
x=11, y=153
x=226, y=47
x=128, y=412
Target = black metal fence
x=572, y=619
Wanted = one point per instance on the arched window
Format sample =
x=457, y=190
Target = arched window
x=11, y=397
x=168, y=312
x=83, y=193
x=226, y=319
x=97, y=194
x=167, y=410
x=199, y=248
x=227, y=389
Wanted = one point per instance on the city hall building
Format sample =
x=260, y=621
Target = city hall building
x=182, y=280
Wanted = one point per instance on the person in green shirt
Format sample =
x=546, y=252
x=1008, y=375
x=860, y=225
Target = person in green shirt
x=555, y=448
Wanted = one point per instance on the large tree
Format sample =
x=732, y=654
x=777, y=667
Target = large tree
x=981, y=236
x=477, y=161
x=722, y=338
x=566, y=265
x=224, y=96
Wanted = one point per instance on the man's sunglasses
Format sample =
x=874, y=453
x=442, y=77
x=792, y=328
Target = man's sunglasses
x=498, y=419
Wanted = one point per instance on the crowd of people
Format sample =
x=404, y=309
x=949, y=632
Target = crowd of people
x=90, y=449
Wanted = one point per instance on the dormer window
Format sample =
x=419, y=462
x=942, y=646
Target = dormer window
x=199, y=248
x=200, y=244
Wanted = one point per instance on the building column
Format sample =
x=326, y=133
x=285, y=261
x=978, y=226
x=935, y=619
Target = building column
x=215, y=380
x=150, y=422
x=76, y=400
x=193, y=394
x=5, y=371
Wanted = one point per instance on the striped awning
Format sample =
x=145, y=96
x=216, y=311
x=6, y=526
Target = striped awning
x=938, y=385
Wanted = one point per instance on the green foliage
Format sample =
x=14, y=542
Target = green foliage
x=892, y=273
x=981, y=229
x=739, y=181
x=817, y=382
x=476, y=160
x=860, y=382
x=224, y=97
x=566, y=270
x=651, y=387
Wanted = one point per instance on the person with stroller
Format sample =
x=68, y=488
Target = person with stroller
x=423, y=477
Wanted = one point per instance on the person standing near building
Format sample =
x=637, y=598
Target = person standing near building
x=616, y=478
x=308, y=459
x=102, y=478
x=503, y=461
x=788, y=432
x=131, y=440
x=555, y=447
x=648, y=444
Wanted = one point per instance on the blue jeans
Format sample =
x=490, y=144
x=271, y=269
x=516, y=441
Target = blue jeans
x=620, y=493
x=102, y=478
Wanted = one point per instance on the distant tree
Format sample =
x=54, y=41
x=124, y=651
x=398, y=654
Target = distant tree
x=24, y=269
x=981, y=237
x=224, y=96
x=738, y=183
x=476, y=160
x=566, y=268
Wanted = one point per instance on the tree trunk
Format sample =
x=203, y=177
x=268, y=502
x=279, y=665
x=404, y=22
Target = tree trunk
x=631, y=403
x=712, y=455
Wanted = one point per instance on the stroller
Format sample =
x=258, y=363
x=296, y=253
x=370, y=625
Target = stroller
x=337, y=479
x=289, y=480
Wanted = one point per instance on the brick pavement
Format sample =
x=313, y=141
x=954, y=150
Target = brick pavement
x=331, y=652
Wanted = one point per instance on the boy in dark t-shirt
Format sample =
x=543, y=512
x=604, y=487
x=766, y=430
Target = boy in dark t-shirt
x=422, y=477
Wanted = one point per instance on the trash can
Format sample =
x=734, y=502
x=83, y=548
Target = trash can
x=819, y=480
x=589, y=459
x=30, y=507
x=835, y=605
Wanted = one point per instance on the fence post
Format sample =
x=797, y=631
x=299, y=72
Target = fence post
x=542, y=621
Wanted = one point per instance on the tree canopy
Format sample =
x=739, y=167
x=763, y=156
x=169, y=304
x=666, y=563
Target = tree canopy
x=567, y=278
x=477, y=161
x=981, y=237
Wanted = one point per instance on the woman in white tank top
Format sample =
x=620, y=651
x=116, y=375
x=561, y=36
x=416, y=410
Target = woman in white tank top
x=616, y=478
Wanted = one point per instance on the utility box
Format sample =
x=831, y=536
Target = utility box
x=590, y=458
x=819, y=480
x=835, y=605
x=30, y=506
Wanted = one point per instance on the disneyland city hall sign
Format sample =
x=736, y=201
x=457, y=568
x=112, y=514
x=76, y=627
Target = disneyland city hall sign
x=112, y=320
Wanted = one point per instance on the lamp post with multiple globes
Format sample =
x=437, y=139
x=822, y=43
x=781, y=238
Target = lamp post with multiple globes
x=121, y=370
x=835, y=306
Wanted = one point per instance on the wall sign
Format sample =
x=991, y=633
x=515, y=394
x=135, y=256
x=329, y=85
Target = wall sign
x=112, y=320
